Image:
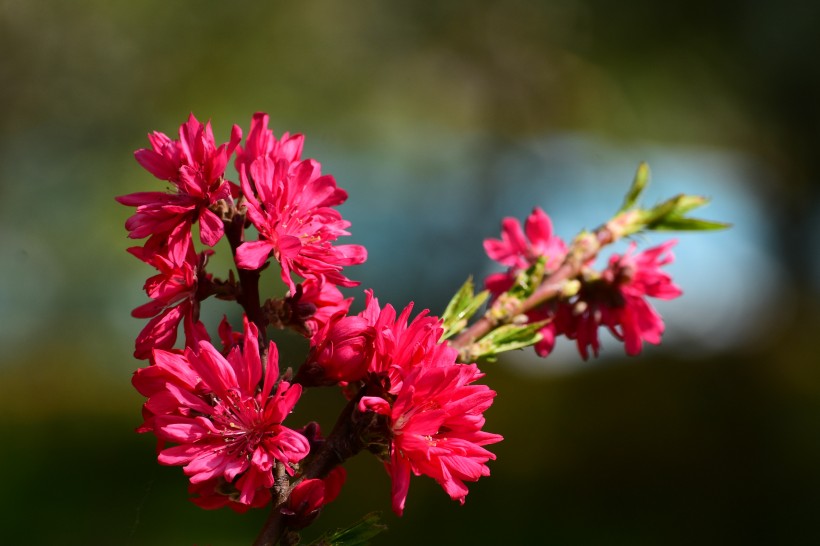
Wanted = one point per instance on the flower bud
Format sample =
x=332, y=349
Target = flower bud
x=342, y=351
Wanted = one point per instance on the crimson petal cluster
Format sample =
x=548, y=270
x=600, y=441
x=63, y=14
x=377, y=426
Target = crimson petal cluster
x=435, y=423
x=617, y=300
x=195, y=166
x=226, y=418
x=290, y=203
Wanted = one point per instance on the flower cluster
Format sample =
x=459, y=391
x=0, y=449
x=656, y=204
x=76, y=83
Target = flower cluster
x=287, y=200
x=412, y=390
x=432, y=412
x=614, y=298
x=223, y=410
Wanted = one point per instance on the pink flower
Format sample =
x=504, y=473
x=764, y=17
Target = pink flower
x=195, y=166
x=291, y=207
x=519, y=252
x=618, y=301
x=435, y=422
x=434, y=413
x=342, y=348
x=402, y=344
x=260, y=142
x=637, y=277
x=227, y=427
x=173, y=294
x=615, y=299
x=376, y=342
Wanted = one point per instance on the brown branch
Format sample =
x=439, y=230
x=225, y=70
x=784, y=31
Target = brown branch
x=248, y=296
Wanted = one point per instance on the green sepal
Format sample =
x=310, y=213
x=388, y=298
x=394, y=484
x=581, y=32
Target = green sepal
x=461, y=308
x=639, y=184
x=358, y=533
x=507, y=338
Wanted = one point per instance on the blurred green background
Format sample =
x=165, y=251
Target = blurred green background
x=439, y=118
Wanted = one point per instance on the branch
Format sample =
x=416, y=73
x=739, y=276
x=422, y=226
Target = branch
x=248, y=296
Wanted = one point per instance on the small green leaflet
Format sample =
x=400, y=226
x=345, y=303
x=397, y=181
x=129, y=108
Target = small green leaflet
x=639, y=183
x=669, y=215
x=507, y=338
x=461, y=308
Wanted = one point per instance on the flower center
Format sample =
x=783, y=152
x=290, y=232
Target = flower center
x=241, y=421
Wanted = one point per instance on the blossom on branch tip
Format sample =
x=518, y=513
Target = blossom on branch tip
x=225, y=414
x=615, y=298
x=195, y=166
x=291, y=207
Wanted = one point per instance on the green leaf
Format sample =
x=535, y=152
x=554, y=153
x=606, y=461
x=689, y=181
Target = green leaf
x=508, y=337
x=688, y=224
x=358, y=533
x=669, y=215
x=639, y=184
x=461, y=308
x=685, y=203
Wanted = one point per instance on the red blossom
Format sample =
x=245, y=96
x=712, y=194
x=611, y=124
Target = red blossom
x=195, y=166
x=618, y=301
x=519, y=252
x=341, y=351
x=435, y=414
x=435, y=423
x=614, y=299
x=290, y=204
x=402, y=344
x=225, y=415
x=260, y=142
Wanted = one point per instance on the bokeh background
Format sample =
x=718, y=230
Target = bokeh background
x=439, y=118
